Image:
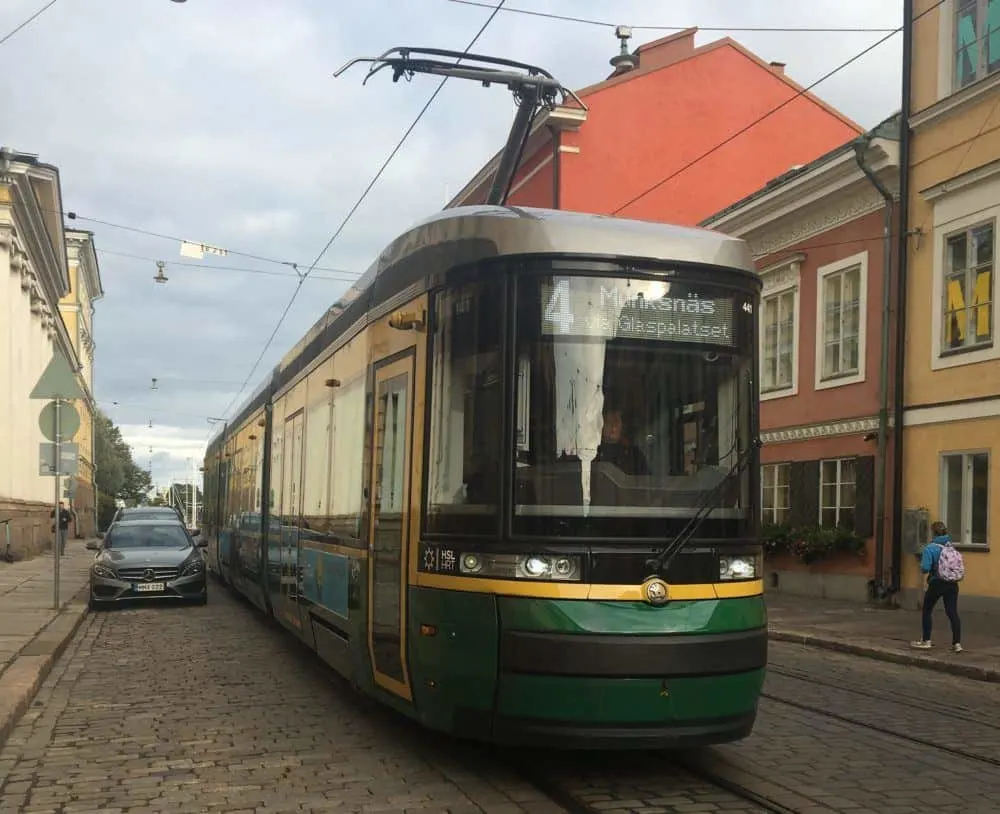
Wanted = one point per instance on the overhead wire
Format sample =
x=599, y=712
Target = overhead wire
x=72, y=215
x=729, y=139
x=606, y=24
x=28, y=21
x=357, y=205
x=346, y=276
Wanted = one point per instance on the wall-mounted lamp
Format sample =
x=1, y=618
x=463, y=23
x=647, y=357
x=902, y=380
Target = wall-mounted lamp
x=332, y=382
x=253, y=437
x=261, y=423
x=407, y=321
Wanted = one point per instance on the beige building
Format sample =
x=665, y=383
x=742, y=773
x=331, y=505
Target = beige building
x=49, y=278
x=951, y=419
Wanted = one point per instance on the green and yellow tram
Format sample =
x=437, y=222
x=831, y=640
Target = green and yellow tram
x=508, y=483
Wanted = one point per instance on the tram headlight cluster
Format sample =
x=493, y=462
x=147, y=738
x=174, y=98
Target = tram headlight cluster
x=745, y=566
x=544, y=567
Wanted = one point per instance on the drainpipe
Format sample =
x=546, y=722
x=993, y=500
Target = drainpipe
x=878, y=581
x=902, y=249
x=556, y=169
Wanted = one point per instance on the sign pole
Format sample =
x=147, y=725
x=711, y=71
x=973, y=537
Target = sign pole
x=56, y=548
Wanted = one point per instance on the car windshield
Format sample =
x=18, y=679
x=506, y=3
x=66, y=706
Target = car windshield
x=633, y=401
x=165, y=536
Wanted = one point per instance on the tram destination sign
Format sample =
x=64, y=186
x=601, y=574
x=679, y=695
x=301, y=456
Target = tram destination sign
x=635, y=309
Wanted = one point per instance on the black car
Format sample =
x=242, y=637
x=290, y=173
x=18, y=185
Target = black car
x=147, y=559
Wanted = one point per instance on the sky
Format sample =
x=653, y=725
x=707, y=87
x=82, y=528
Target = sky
x=219, y=122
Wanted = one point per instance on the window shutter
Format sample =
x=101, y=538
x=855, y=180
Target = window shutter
x=864, y=490
x=804, y=493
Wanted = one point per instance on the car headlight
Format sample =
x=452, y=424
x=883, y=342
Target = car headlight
x=193, y=566
x=544, y=567
x=104, y=571
x=740, y=567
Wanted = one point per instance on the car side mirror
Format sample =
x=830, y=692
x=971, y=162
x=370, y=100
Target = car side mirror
x=100, y=535
x=195, y=532
x=93, y=546
x=201, y=543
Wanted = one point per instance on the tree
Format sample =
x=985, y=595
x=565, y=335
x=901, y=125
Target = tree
x=118, y=477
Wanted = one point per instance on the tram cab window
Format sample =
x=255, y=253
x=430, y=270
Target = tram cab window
x=616, y=431
x=466, y=410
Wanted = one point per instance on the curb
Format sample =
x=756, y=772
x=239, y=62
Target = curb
x=21, y=681
x=987, y=674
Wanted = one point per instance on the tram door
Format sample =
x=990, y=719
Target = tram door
x=392, y=425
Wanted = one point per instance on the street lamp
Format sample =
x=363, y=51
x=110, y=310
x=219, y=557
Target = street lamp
x=160, y=265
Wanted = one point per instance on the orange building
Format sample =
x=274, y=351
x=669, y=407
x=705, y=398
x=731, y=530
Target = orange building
x=668, y=103
x=818, y=234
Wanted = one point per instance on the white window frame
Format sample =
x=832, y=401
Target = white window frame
x=959, y=206
x=949, y=20
x=780, y=279
x=839, y=482
x=961, y=532
x=860, y=261
x=770, y=516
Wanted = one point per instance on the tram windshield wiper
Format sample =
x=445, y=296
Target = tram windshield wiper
x=659, y=564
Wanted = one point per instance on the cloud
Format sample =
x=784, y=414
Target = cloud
x=221, y=123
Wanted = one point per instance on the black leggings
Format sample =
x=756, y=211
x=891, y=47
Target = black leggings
x=948, y=591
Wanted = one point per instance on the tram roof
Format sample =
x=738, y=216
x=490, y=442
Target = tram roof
x=467, y=234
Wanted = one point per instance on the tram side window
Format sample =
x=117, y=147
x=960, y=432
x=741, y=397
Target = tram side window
x=466, y=415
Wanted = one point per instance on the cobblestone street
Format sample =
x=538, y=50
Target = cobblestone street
x=195, y=709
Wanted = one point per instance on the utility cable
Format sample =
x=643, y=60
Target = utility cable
x=28, y=22
x=357, y=205
x=606, y=24
x=769, y=113
x=70, y=215
x=346, y=276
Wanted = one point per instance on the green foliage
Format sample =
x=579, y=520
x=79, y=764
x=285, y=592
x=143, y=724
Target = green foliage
x=118, y=477
x=811, y=543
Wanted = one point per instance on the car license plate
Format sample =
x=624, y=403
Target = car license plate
x=149, y=587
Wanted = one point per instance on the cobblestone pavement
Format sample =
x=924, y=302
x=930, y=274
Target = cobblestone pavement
x=836, y=733
x=208, y=709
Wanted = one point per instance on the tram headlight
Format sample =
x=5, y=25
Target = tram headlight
x=541, y=567
x=742, y=567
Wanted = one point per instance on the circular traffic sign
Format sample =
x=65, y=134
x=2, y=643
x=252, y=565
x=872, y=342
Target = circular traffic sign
x=69, y=421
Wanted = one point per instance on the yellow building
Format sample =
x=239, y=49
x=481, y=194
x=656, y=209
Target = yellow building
x=77, y=310
x=951, y=418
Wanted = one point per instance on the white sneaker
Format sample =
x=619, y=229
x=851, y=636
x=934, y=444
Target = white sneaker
x=956, y=648
x=921, y=645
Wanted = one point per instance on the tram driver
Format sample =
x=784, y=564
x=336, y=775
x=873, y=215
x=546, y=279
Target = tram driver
x=617, y=448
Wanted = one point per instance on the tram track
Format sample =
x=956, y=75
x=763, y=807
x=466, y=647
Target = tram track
x=896, y=698
x=913, y=739
x=599, y=782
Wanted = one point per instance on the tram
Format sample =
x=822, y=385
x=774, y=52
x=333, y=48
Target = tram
x=508, y=483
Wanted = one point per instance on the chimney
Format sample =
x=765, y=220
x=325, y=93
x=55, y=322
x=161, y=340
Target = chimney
x=623, y=62
x=778, y=67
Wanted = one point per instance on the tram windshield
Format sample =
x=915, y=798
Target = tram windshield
x=633, y=401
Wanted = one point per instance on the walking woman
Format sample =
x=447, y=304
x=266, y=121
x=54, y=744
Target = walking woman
x=944, y=567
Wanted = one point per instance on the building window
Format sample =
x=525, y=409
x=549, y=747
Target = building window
x=776, y=486
x=977, y=40
x=968, y=289
x=837, y=479
x=778, y=342
x=840, y=306
x=965, y=496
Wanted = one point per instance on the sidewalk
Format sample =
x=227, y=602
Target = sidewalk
x=886, y=634
x=32, y=633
